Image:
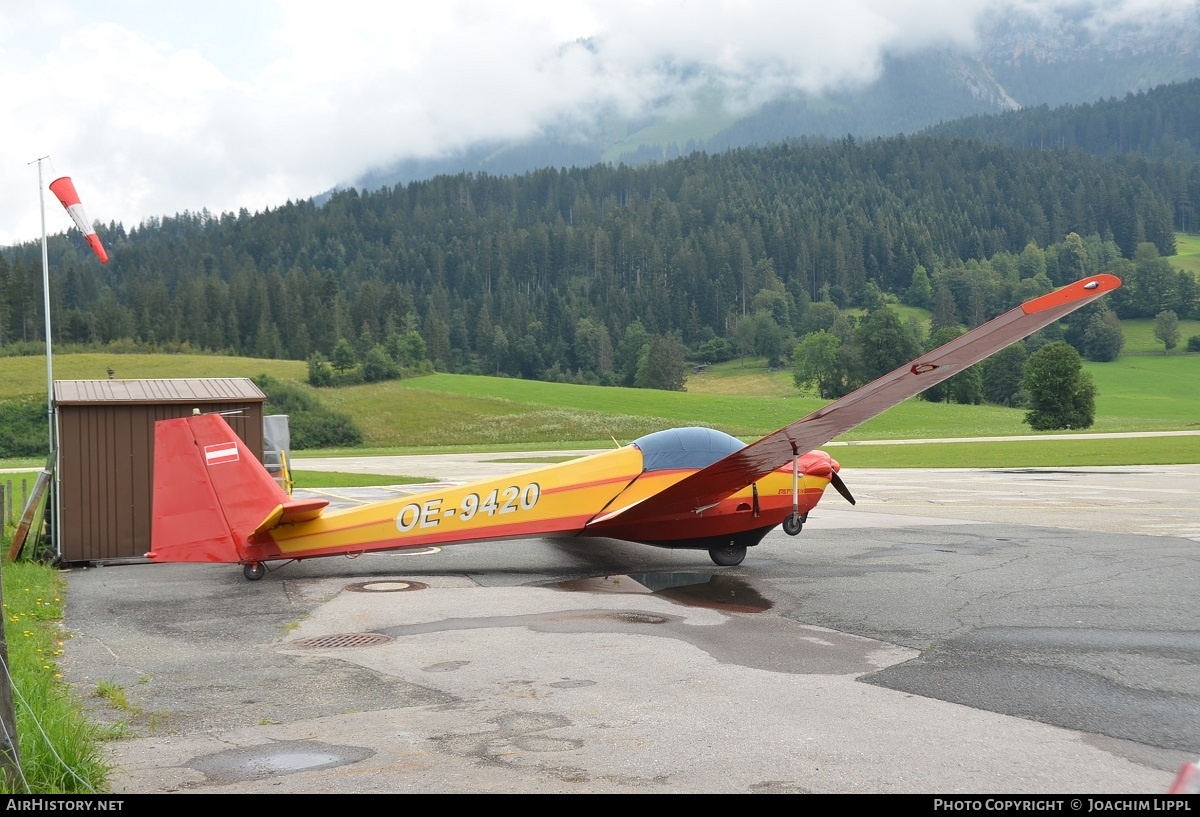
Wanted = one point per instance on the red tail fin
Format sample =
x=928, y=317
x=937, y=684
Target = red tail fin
x=210, y=492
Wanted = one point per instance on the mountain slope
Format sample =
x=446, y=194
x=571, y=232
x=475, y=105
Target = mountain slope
x=1021, y=62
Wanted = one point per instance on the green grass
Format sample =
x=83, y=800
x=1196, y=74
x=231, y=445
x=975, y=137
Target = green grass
x=1147, y=393
x=20, y=376
x=748, y=378
x=14, y=482
x=1136, y=394
x=114, y=695
x=338, y=479
x=59, y=748
x=1143, y=390
x=1140, y=340
x=1187, y=253
x=1051, y=453
x=907, y=313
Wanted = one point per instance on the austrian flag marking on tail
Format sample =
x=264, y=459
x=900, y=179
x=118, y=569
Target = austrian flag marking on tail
x=223, y=452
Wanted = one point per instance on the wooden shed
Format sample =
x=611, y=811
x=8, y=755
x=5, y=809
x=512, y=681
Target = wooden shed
x=106, y=453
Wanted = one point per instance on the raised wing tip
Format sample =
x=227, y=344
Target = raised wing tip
x=1088, y=287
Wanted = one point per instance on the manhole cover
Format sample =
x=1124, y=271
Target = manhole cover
x=389, y=586
x=276, y=758
x=342, y=641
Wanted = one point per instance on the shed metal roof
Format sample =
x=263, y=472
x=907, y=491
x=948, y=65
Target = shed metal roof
x=181, y=390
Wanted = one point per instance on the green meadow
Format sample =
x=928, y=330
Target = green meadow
x=1145, y=390
x=22, y=376
x=1140, y=340
x=1187, y=252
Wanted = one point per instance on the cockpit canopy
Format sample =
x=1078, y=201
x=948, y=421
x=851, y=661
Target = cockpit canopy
x=685, y=448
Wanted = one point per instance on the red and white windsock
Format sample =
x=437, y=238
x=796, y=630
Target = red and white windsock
x=65, y=190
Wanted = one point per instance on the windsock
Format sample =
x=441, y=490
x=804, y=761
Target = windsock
x=65, y=190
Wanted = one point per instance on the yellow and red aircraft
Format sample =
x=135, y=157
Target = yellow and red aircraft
x=682, y=488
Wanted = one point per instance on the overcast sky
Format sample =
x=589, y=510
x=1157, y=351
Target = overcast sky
x=156, y=107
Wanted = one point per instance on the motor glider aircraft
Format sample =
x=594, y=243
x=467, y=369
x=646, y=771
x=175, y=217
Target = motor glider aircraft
x=695, y=488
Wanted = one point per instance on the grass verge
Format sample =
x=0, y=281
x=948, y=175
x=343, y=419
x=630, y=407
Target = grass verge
x=339, y=479
x=1046, y=453
x=59, y=748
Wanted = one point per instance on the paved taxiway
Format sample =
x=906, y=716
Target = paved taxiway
x=1016, y=631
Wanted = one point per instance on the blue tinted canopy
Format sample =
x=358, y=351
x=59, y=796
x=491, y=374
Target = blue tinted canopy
x=685, y=448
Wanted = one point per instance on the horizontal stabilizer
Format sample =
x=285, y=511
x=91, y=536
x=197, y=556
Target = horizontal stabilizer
x=299, y=510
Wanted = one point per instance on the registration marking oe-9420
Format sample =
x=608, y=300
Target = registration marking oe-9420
x=429, y=514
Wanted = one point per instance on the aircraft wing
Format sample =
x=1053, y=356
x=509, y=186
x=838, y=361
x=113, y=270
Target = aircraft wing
x=737, y=470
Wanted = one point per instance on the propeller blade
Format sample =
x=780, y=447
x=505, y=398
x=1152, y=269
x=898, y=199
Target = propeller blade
x=841, y=488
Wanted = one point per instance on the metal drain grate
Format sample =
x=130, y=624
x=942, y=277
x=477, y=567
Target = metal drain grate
x=640, y=618
x=628, y=618
x=342, y=641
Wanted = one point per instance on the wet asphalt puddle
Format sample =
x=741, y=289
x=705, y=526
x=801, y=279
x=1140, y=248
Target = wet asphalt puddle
x=744, y=638
x=271, y=759
x=770, y=643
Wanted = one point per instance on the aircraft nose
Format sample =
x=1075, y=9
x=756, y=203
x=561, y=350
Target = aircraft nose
x=820, y=465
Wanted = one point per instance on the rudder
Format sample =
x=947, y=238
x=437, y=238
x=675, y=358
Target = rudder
x=210, y=492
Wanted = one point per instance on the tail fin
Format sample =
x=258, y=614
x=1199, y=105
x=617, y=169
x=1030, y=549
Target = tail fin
x=210, y=493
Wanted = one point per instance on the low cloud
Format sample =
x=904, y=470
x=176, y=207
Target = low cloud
x=259, y=102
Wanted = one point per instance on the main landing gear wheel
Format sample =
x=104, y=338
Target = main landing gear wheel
x=727, y=555
x=254, y=571
x=793, y=524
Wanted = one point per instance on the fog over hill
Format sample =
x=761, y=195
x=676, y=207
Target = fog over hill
x=156, y=110
x=1013, y=57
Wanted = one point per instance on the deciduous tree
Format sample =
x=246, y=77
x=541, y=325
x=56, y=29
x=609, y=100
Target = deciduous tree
x=815, y=361
x=1061, y=394
x=885, y=343
x=1166, y=329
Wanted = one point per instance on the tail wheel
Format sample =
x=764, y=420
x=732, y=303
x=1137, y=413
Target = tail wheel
x=254, y=571
x=727, y=555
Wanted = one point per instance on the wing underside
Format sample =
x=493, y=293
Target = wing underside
x=745, y=466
